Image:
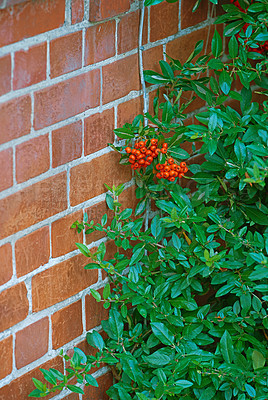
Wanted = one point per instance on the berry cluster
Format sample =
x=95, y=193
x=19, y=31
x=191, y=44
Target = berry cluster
x=143, y=154
x=170, y=170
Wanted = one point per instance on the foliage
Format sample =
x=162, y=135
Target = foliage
x=188, y=295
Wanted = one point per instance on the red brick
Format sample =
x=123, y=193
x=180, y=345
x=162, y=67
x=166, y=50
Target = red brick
x=66, y=324
x=66, y=99
x=102, y=9
x=87, y=180
x=164, y=19
x=95, y=214
x=73, y=396
x=29, y=19
x=31, y=342
x=63, y=238
x=77, y=11
x=127, y=111
x=105, y=382
x=128, y=31
x=188, y=18
x=13, y=306
x=33, y=204
x=100, y=42
x=6, y=172
x=99, y=131
x=30, y=66
x=20, y=388
x=95, y=312
x=6, y=270
x=28, y=258
x=5, y=77
x=15, y=118
x=61, y=281
x=66, y=144
x=32, y=158
x=196, y=103
x=6, y=356
x=151, y=58
x=120, y=78
x=65, y=54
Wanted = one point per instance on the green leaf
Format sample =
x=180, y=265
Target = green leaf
x=35, y=393
x=233, y=47
x=216, y=44
x=240, y=151
x=166, y=69
x=250, y=390
x=83, y=248
x=158, y=358
x=124, y=133
x=215, y=63
x=96, y=295
x=256, y=215
x=75, y=389
x=106, y=291
x=162, y=333
x=95, y=340
x=91, y=380
x=226, y=347
x=258, y=359
x=225, y=82
x=183, y=383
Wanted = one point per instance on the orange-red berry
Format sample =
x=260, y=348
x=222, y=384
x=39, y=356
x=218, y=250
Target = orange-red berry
x=136, y=145
x=128, y=150
x=165, y=145
x=172, y=179
x=170, y=161
x=153, y=148
x=141, y=144
x=183, y=164
x=157, y=151
x=165, y=174
x=164, y=150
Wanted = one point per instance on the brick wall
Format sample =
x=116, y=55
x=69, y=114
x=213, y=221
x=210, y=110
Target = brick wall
x=69, y=75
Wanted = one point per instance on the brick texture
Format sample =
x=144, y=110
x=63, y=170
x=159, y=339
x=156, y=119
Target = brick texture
x=95, y=312
x=102, y=9
x=15, y=118
x=49, y=287
x=13, y=306
x=104, y=381
x=65, y=54
x=125, y=70
x=6, y=269
x=87, y=180
x=31, y=342
x=164, y=19
x=6, y=171
x=32, y=251
x=77, y=11
x=63, y=238
x=6, y=356
x=32, y=204
x=5, y=76
x=66, y=324
x=53, y=103
x=188, y=18
x=127, y=111
x=30, y=66
x=29, y=19
x=32, y=158
x=100, y=42
x=128, y=31
x=66, y=144
x=20, y=388
x=151, y=58
x=99, y=131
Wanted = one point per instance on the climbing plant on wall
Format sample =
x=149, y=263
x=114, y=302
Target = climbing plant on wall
x=187, y=291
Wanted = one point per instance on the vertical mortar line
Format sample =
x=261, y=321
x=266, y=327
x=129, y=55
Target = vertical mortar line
x=28, y=283
x=179, y=27
x=32, y=111
x=83, y=136
x=83, y=46
x=68, y=12
x=115, y=116
x=13, y=259
x=86, y=10
x=12, y=55
x=49, y=334
x=84, y=313
x=101, y=82
x=13, y=353
x=50, y=148
x=50, y=240
x=116, y=36
x=68, y=187
x=148, y=24
x=164, y=52
x=14, y=164
x=48, y=60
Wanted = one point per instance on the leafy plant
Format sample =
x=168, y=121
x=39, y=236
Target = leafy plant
x=187, y=295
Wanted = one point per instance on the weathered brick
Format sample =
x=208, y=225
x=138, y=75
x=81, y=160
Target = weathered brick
x=29, y=19
x=66, y=144
x=6, y=172
x=63, y=238
x=99, y=131
x=30, y=66
x=95, y=312
x=15, y=118
x=196, y=103
x=61, y=282
x=13, y=306
x=87, y=180
x=128, y=31
x=6, y=270
x=127, y=111
x=73, y=396
x=66, y=324
x=77, y=11
x=125, y=70
x=100, y=42
x=164, y=19
x=20, y=388
x=33, y=204
x=32, y=251
x=151, y=58
x=65, y=54
x=6, y=356
x=32, y=158
x=102, y=9
x=5, y=77
x=31, y=342
x=66, y=99
x=105, y=382
x=188, y=18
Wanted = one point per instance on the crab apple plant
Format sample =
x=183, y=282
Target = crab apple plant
x=187, y=290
